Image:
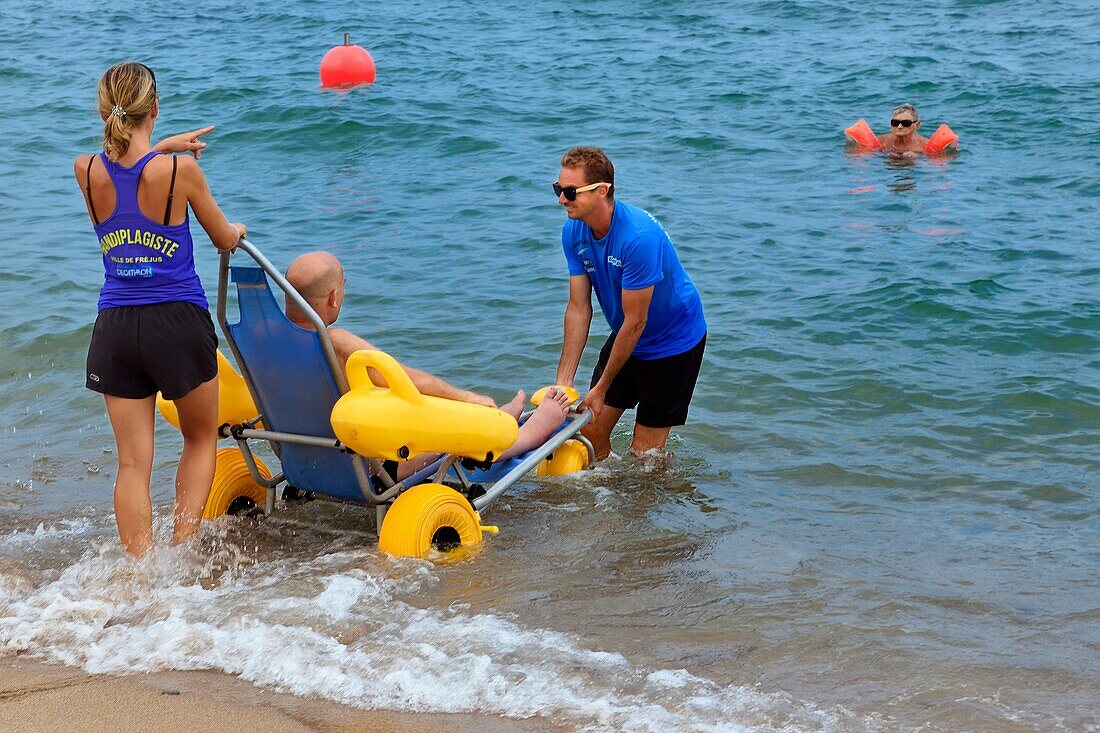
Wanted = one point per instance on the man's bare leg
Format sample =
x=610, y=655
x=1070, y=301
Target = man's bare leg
x=599, y=430
x=646, y=439
x=408, y=468
x=411, y=466
x=541, y=425
x=533, y=433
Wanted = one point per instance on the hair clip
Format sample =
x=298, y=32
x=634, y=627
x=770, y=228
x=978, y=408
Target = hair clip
x=118, y=112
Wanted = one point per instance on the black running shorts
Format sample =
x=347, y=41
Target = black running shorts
x=660, y=388
x=139, y=350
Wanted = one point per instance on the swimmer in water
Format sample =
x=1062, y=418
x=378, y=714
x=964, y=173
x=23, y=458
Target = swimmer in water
x=903, y=136
x=904, y=139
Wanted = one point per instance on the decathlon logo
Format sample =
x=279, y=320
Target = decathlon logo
x=614, y=261
x=132, y=272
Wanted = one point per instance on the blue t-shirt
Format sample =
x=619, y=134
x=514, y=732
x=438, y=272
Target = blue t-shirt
x=634, y=254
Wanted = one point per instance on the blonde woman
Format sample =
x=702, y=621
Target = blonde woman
x=153, y=332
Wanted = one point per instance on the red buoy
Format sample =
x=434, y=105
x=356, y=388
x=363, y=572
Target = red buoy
x=347, y=65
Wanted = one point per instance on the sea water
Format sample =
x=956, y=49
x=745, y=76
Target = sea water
x=882, y=514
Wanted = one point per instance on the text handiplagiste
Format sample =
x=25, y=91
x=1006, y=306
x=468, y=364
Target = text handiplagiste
x=152, y=240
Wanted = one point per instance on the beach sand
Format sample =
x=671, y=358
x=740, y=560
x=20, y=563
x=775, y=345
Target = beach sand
x=39, y=697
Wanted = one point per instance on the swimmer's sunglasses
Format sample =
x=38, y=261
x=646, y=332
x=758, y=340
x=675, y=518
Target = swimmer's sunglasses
x=903, y=123
x=571, y=192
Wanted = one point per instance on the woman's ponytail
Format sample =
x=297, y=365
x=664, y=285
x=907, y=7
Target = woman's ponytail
x=127, y=93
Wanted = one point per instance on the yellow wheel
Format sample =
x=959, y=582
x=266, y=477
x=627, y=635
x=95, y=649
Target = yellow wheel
x=426, y=516
x=570, y=457
x=234, y=490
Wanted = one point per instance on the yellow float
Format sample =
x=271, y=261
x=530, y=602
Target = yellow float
x=427, y=516
x=397, y=422
x=233, y=487
x=569, y=457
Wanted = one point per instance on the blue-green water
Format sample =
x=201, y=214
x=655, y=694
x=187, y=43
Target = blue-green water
x=883, y=513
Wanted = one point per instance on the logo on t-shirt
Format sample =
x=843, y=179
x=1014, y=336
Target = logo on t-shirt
x=614, y=261
x=131, y=273
x=583, y=254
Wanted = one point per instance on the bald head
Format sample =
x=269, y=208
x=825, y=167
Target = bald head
x=319, y=278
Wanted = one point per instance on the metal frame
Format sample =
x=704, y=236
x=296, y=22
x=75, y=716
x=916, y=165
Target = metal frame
x=446, y=466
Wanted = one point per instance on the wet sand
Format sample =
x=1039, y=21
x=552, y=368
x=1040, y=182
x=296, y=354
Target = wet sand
x=38, y=697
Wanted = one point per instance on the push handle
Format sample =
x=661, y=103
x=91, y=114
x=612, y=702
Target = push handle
x=398, y=381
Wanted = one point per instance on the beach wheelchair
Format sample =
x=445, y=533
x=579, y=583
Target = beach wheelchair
x=338, y=436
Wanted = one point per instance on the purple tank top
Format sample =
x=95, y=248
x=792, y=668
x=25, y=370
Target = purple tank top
x=144, y=261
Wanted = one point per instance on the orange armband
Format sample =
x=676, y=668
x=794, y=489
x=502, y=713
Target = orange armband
x=862, y=133
x=941, y=138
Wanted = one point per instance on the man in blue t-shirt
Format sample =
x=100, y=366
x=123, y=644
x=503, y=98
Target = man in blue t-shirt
x=652, y=357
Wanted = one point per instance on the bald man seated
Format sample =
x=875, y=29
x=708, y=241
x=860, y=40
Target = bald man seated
x=319, y=279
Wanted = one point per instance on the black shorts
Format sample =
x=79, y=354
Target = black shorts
x=139, y=350
x=660, y=388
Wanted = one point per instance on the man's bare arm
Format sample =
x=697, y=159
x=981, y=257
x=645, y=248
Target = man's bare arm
x=578, y=320
x=346, y=343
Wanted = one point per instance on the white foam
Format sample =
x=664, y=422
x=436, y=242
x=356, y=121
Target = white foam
x=332, y=628
x=62, y=529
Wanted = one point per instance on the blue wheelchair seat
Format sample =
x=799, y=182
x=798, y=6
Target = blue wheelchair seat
x=293, y=386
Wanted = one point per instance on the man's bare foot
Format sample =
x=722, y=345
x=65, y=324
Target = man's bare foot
x=541, y=425
x=561, y=398
x=515, y=407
